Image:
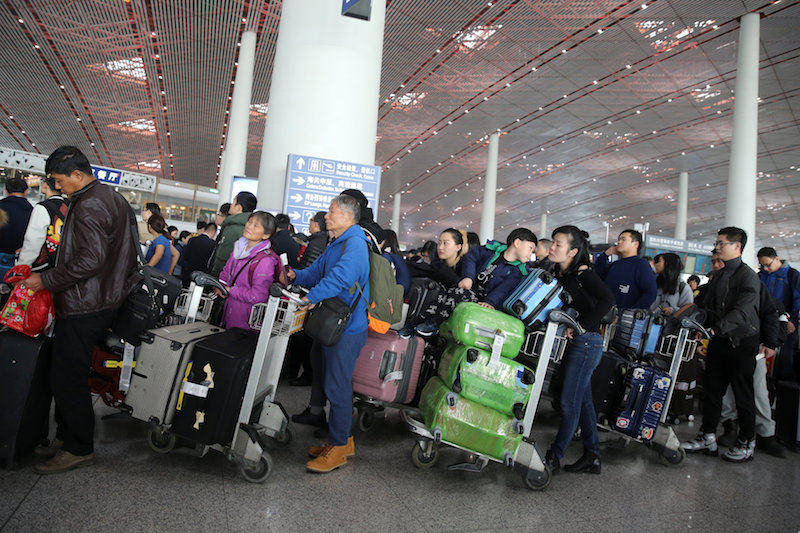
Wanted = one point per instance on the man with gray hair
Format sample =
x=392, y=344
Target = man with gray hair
x=343, y=264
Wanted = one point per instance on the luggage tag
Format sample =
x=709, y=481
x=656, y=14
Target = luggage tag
x=199, y=390
x=127, y=367
x=497, y=349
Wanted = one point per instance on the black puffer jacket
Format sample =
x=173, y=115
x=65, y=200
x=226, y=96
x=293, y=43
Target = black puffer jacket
x=96, y=258
x=732, y=302
x=317, y=243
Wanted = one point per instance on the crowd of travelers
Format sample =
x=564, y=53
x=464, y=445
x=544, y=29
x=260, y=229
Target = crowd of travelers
x=79, y=246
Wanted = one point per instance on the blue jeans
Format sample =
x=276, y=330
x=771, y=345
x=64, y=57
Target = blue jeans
x=340, y=361
x=582, y=357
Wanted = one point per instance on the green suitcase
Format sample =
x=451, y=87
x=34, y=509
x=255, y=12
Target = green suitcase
x=503, y=385
x=468, y=424
x=478, y=326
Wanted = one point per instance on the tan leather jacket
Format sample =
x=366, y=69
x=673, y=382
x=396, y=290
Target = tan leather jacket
x=96, y=258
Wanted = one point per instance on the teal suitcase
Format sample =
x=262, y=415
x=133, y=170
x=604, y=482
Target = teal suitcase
x=467, y=424
x=478, y=326
x=503, y=385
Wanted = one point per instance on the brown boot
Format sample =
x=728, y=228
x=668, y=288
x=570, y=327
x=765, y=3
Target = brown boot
x=64, y=461
x=331, y=458
x=349, y=448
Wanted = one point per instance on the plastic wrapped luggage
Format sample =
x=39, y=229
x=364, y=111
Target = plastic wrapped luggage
x=468, y=424
x=645, y=395
x=24, y=393
x=503, y=385
x=534, y=297
x=160, y=369
x=212, y=390
x=388, y=367
x=474, y=325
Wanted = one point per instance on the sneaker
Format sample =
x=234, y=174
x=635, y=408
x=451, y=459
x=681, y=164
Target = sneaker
x=406, y=333
x=770, y=445
x=427, y=329
x=349, y=449
x=330, y=458
x=309, y=419
x=62, y=462
x=704, y=442
x=49, y=451
x=743, y=451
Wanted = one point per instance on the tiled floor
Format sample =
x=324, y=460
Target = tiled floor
x=131, y=488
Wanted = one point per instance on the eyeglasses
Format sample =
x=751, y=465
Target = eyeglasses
x=768, y=265
x=723, y=243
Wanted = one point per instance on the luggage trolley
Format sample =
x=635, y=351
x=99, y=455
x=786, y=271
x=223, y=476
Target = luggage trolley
x=677, y=348
x=262, y=422
x=527, y=460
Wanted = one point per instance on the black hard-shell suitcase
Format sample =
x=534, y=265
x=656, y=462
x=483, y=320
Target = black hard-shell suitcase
x=422, y=294
x=787, y=414
x=608, y=385
x=24, y=393
x=213, y=388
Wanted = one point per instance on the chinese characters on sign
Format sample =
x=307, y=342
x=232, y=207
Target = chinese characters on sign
x=312, y=182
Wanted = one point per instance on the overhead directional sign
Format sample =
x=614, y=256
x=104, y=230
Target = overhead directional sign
x=312, y=182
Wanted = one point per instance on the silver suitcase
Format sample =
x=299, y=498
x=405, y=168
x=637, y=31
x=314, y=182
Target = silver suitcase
x=160, y=366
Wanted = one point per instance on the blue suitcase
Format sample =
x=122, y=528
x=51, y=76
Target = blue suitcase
x=637, y=333
x=534, y=297
x=643, y=403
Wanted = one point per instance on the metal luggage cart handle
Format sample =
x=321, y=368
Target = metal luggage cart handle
x=276, y=291
x=690, y=323
x=205, y=280
x=561, y=317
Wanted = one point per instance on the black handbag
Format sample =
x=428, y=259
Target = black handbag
x=140, y=310
x=325, y=323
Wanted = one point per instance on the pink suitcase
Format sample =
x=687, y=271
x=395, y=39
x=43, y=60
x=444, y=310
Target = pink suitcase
x=388, y=367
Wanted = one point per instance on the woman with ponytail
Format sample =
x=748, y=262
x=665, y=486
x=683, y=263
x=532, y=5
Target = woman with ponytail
x=161, y=254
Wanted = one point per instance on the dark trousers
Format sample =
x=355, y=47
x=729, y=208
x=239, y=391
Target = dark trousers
x=786, y=367
x=318, y=397
x=734, y=366
x=73, y=342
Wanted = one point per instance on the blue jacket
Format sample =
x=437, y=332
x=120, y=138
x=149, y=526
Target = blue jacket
x=12, y=235
x=632, y=281
x=336, y=271
x=784, y=287
x=502, y=281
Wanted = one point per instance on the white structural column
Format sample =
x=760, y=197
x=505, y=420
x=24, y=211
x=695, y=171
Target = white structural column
x=543, y=222
x=324, y=92
x=741, y=208
x=490, y=190
x=683, y=206
x=235, y=152
x=398, y=197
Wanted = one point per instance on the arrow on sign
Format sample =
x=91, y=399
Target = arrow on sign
x=294, y=214
x=297, y=197
x=301, y=163
x=298, y=180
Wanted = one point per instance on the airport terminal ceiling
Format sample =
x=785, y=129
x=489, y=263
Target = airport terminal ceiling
x=600, y=104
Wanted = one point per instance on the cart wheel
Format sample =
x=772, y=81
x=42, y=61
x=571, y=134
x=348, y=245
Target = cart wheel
x=257, y=472
x=421, y=460
x=284, y=439
x=538, y=484
x=160, y=439
x=670, y=461
x=366, y=417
